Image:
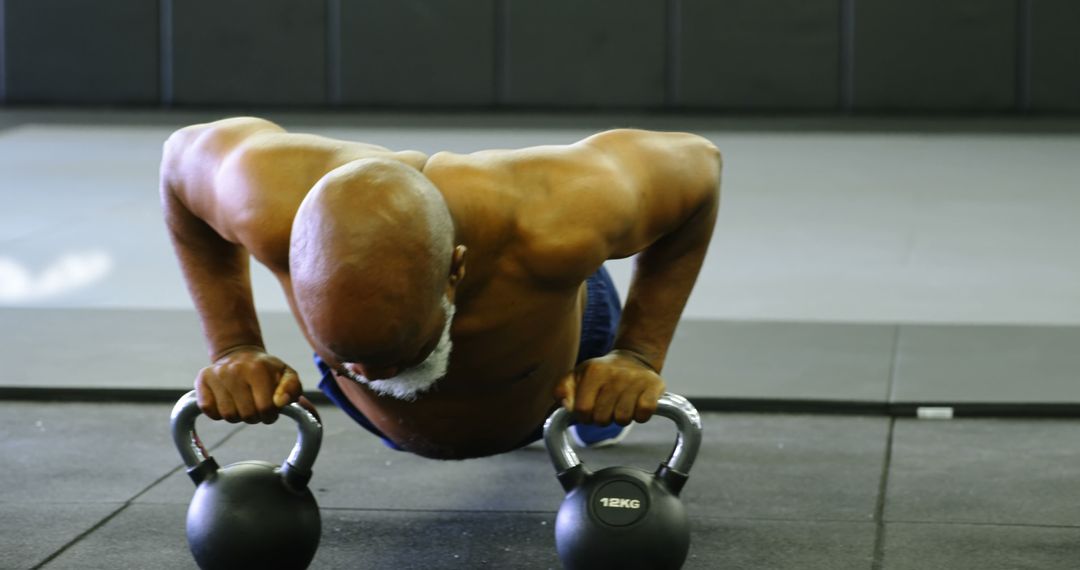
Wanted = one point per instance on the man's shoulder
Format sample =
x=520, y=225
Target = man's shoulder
x=634, y=141
x=217, y=135
x=618, y=158
x=193, y=153
x=202, y=168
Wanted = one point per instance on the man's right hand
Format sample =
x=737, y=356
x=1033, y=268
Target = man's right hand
x=246, y=385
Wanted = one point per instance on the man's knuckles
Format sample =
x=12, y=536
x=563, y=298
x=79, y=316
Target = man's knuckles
x=583, y=409
x=646, y=409
x=623, y=417
x=268, y=413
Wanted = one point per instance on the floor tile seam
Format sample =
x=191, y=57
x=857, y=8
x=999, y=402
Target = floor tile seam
x=693, y=517
x=455, y=511
x=154, y=483
x=808, y=519
x=124, y=506
x=162, y=502
x=963, y=411
x=78, y=538
x=890, y=385
x=878, y=557
x=981, y=524
x=181, y=466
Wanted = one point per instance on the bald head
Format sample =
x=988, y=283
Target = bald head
x=369, y=258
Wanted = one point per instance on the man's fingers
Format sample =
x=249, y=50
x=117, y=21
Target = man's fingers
x=646, y=403
x=264, y=402
x=626, y=407
x=585, y=397
x=604, y=407
x=205, y=397
x=247, y=386
x=226, y=407
x=288, y=388
x=610, y=389
x=245, y=404
x=564, y=391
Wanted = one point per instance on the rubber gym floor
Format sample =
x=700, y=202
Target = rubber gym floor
x=868, y=278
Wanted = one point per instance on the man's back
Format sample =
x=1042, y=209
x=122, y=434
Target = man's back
x=536, y=223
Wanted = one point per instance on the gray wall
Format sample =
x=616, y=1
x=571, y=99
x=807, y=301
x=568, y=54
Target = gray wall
x=742, y=55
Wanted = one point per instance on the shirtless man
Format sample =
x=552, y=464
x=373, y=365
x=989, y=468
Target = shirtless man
x=454, y=300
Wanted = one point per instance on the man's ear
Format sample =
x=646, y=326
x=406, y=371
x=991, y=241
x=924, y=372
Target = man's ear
x=457, y=265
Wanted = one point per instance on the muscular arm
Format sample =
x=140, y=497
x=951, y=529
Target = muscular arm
x=217, y=275
x=200, y=224
x=660, y=202
x=664, y=275
x=676, y=182
x=230, y=190
x=243, y=382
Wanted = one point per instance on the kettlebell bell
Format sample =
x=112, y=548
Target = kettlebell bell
x=624, y=517
x=250, y=514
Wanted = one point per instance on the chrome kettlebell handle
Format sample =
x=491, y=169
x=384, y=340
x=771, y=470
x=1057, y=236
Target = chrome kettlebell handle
x=677, y=467
x=296, y=470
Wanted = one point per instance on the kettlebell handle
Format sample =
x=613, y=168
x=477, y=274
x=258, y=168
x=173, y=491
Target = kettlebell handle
x=674, y=471
x=296, y=470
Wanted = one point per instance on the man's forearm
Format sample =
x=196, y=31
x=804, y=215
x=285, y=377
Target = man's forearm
x=218, y=279
x=664, y=276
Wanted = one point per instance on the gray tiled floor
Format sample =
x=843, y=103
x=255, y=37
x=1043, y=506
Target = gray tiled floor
x=125, y=348
x=817, y=361
x=969, y=547
x=986, y=471
x=85, y=453
x=32, y=531
x=424, y=540
x=68, y=466
x=988, y=364
x=789, y=545
x=813, y=265
x=768, y=491
x=838, y=272
x=744, y=469
x=708, y=359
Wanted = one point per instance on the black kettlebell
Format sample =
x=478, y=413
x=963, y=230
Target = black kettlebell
x=624, y=517
x=250, y=514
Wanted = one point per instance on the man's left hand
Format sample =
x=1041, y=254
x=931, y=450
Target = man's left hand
x=617, y=387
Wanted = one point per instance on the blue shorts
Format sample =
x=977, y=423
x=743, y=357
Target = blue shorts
x=598, y=325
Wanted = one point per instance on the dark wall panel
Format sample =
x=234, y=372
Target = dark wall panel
x=751, y=54
x=418, y=52
x=585, y=53
x=269, y=52
x=1055, y=55
x=76, y=51
x=3, y=53
x=935, y=54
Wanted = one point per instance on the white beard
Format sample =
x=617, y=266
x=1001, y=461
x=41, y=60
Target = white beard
x=410, y=383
